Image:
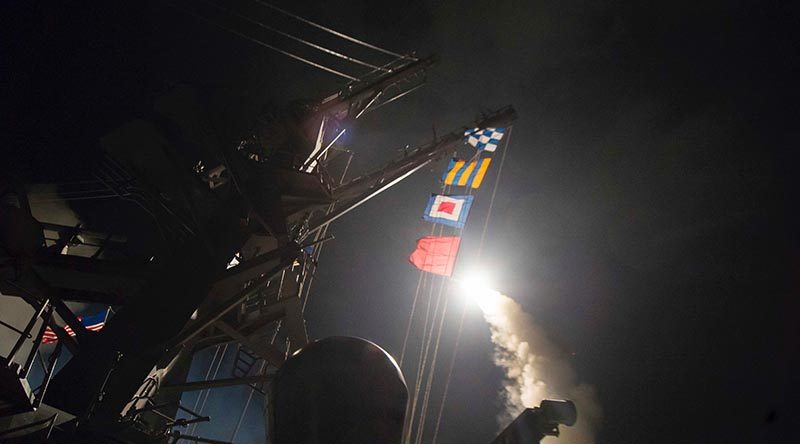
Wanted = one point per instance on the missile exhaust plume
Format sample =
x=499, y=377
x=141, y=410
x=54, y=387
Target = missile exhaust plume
x=535, y=370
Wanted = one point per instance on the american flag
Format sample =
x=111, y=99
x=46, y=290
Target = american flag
x=93, y=323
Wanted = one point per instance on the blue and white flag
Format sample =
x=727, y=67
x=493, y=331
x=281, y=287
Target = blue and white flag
x=485, y=139
x=448, y=210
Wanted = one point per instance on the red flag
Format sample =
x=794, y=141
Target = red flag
x=436, y=254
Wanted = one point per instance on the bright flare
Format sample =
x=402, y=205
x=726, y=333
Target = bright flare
x=477, y=290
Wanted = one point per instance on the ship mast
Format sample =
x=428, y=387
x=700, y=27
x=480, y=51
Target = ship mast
x=363, y=188
x=186, y=300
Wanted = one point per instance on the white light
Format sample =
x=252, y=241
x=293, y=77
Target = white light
x=477, y=289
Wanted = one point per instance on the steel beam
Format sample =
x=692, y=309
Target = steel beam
x=364, y=188
x=265, y=351
x=231, y=303
x=215, y=383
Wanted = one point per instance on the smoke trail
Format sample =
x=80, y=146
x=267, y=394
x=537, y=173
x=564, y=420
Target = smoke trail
x=534, y=369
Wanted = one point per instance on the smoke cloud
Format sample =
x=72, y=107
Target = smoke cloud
x=535, y=370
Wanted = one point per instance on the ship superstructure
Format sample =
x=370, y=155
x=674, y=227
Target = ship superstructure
x=211, y=245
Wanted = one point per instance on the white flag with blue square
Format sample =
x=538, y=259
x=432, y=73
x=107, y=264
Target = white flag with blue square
x=486, y=139
x=448, y=210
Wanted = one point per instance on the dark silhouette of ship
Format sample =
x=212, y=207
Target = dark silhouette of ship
x=195, y=243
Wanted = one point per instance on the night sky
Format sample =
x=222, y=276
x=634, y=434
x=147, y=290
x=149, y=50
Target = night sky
x=644, y=216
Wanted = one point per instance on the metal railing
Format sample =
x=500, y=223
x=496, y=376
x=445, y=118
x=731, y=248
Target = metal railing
x=45, y=313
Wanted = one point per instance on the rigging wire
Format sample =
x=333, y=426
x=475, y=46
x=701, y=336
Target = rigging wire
x=208, y=373
x=264, y=44
x=421, y=287
x=246, y=406
x=410, y=318
x=425, y=346
x=416, y=298
x=427, y=333
x=332, y=31
x=421, y=359
x=322, y=233
x=430, y=368
x=494, y=190
x=449, y=374
x=208, y=391
x=425, y=349
x=262, y=369
x=295, y=38
x=423, y=367
x=431, y=371
x=464, y=309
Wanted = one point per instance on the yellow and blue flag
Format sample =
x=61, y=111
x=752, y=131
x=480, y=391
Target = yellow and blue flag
x=466, y=174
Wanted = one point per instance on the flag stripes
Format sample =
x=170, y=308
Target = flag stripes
x=91, y=323
x=462, y=173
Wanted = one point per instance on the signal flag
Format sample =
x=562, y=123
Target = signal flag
x=462, y=173
x=436, y=254
x=448, y=210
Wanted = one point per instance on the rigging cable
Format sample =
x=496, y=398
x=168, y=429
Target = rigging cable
x=193, y=427
x=432, y=369
x=297, y=39
x=208, y=374
x=464, y=309
x=261, y=371
x=266, y=45
x=449, y=374
x=410, y=318
x=425, y=345
x=414, y=303
x=431, y=372
x=425, y=334
x=246, y=405
x=334, y=32
x=425, y=350
x=321, y=235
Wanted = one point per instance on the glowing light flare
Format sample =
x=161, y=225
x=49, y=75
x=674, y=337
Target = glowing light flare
x=478, y=290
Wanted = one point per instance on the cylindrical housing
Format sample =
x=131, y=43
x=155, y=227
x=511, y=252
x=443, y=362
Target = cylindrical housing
x=339, y=390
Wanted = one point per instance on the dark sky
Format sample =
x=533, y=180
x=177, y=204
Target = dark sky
x=643, y=217
x=645, y=213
